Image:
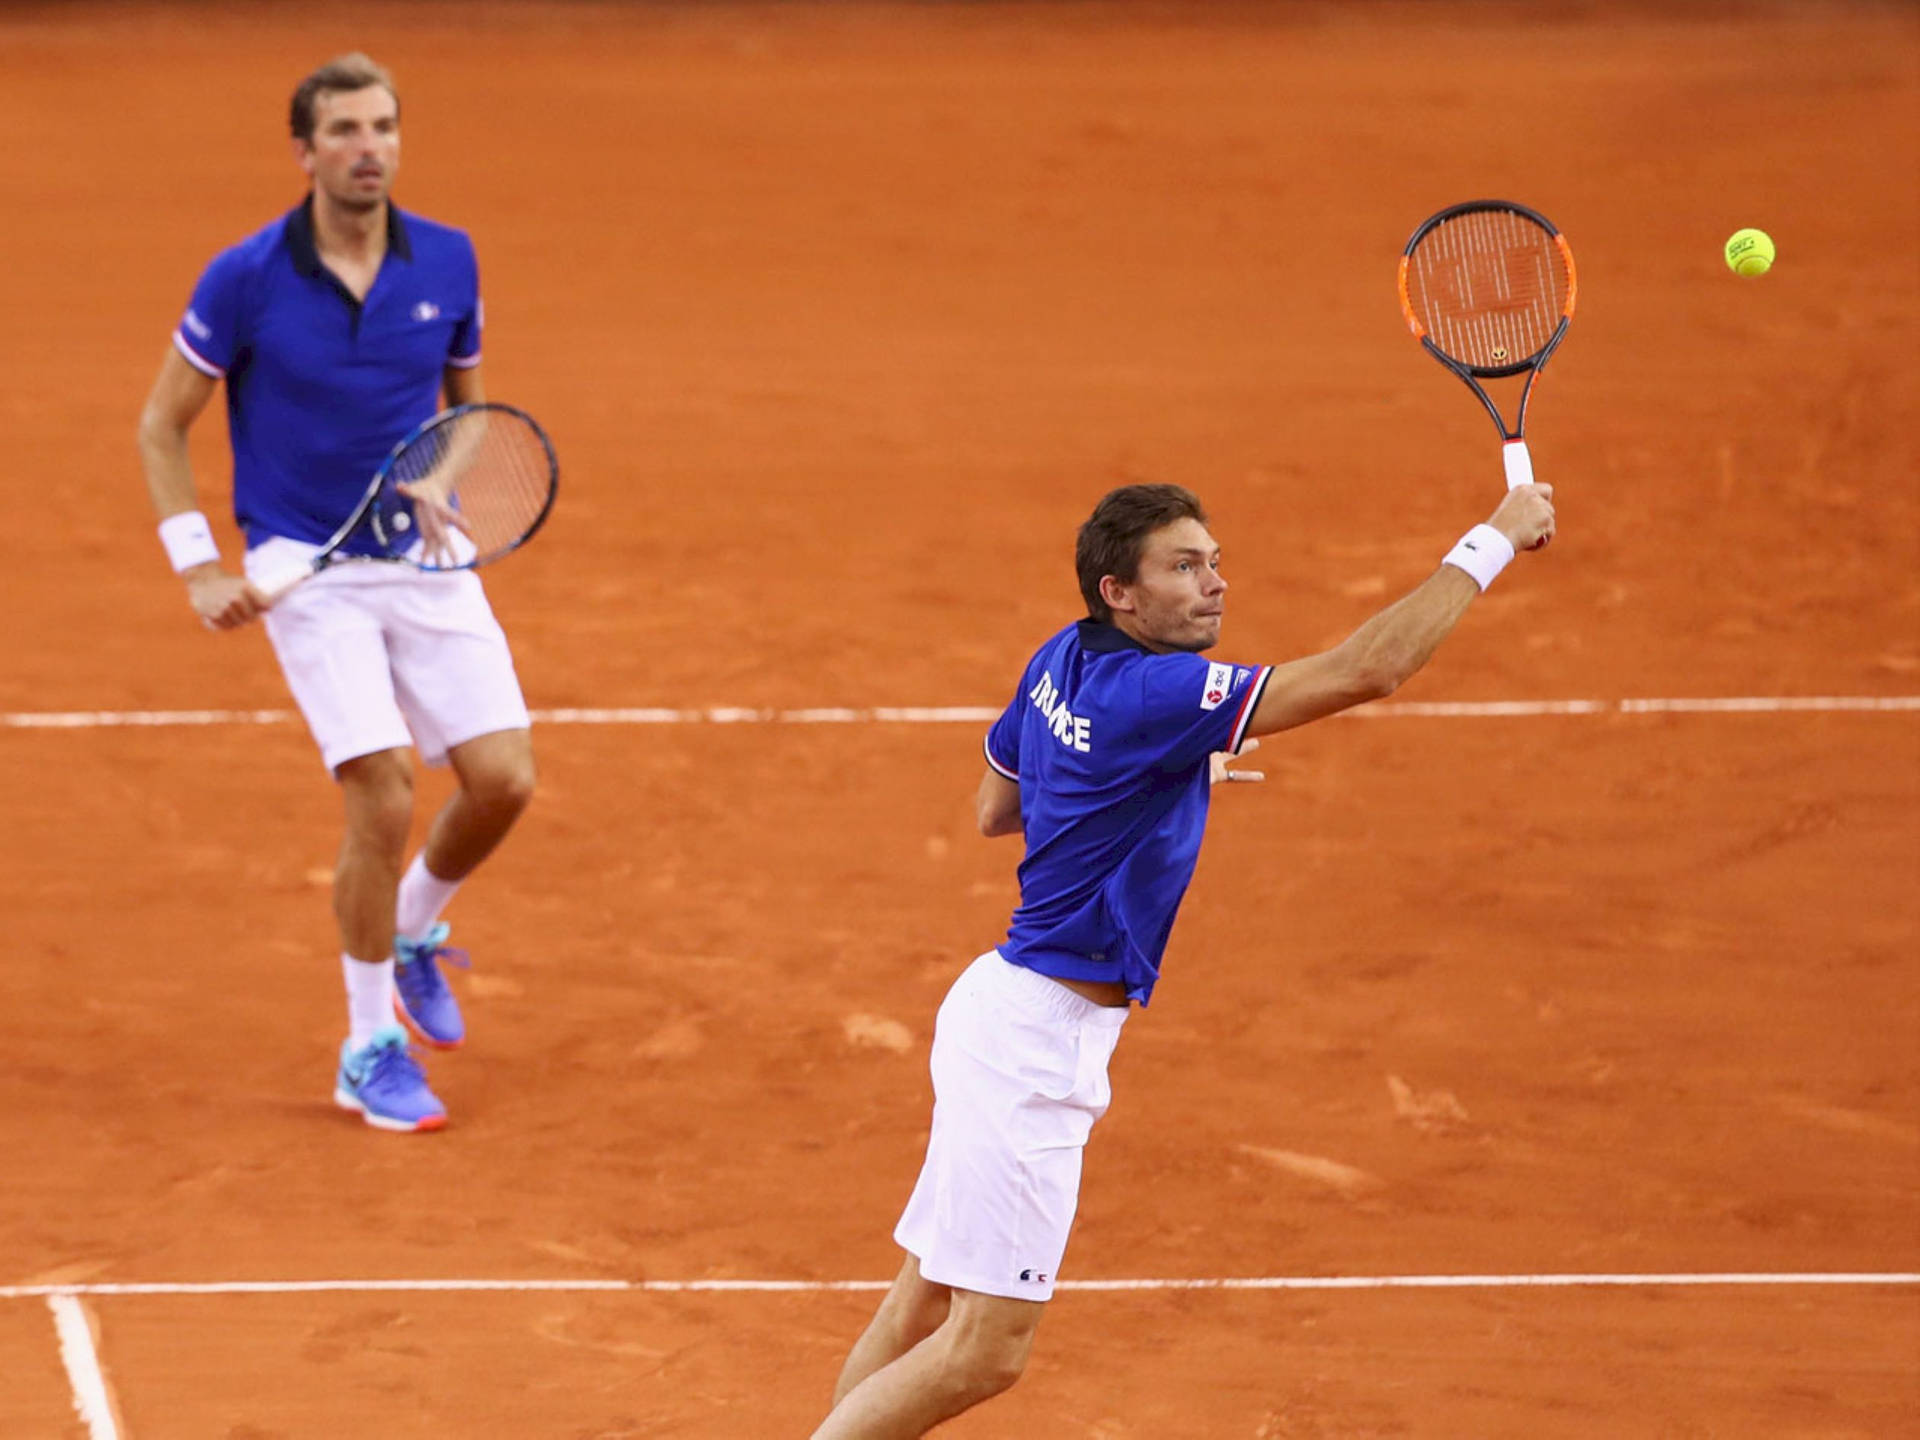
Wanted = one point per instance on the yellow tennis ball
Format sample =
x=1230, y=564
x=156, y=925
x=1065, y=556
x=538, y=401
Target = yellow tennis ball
x=1749, y=252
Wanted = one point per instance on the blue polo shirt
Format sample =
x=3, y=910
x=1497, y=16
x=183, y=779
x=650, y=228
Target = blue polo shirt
x=321, y=385
x=1108, y=742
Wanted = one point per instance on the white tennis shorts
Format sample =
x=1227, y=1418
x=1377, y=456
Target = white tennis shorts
x=381, y=656
x=1019, y=1076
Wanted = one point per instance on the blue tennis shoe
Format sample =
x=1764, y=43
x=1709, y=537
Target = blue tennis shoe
x=420, y=993
x=386, y=1086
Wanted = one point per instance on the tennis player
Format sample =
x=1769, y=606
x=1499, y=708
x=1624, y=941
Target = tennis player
x=1103, y=760
x=337, y=329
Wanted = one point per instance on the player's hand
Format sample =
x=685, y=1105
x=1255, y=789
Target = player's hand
x=1525, y=517
x=223, y=601
x=437, y=519
x=1217, y=763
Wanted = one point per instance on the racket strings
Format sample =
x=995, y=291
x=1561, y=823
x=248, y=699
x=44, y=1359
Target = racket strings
x=1490, y=287
x=499, y=470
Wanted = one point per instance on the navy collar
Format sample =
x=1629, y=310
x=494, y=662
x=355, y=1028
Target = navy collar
x=306, y=255
x=1102, y=638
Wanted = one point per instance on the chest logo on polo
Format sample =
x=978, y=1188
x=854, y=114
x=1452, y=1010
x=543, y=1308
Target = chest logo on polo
x=1219, y=682
x=426, y=310
x=1071, y=730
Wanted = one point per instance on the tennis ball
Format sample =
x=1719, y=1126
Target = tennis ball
x=1749, y=252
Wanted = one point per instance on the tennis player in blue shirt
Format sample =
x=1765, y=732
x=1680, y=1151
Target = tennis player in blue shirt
x=337, y=329
x=1103, y=761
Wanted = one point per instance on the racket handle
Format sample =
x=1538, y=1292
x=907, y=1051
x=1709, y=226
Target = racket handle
x=1518, y=462
x=275, y=583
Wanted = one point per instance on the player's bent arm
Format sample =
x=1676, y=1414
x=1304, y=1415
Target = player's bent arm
x=997, y=806
x=1370, y=663
x=1382, y=654
x=180, y=394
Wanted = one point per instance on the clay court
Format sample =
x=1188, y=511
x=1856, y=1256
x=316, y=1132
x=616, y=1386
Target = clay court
x=1537, y=1051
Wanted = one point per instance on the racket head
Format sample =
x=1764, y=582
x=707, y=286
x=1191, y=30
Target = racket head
x=1489, y=286
x=501, y=474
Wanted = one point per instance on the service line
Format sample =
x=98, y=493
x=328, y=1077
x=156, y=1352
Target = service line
x=982, y=714
x=104, y=1289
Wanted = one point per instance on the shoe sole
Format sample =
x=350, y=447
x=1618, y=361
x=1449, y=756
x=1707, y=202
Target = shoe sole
x=413, y=1029
x=347, y=1100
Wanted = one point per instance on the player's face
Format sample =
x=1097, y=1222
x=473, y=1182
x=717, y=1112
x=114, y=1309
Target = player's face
x=355, y=150
x=1176, y=600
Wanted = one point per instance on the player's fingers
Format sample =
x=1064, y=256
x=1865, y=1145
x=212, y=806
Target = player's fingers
x=1247, y=775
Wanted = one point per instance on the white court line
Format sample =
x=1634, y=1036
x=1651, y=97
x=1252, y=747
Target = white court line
x=784, y=1287
x=981, y=714
x=90, y=1399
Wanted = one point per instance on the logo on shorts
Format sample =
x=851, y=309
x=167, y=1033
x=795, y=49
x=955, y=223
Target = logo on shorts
x=426, y=310
x=1219, y=677
x=1034, y=1277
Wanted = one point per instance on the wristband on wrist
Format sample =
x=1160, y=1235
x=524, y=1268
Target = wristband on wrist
x=1483, y=552
x=189, y=540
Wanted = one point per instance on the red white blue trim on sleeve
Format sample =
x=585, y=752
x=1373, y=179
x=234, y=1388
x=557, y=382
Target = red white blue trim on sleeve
x=986, y=744
x=1248, y=704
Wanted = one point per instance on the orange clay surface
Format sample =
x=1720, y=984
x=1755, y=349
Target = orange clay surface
x=842, y=317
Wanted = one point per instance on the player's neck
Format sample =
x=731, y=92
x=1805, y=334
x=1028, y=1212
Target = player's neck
x=1130, y=628
x=355, y=235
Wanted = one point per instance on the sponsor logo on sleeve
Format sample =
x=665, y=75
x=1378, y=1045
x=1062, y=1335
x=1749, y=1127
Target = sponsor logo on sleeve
x=1219, y=681
x=197, y=327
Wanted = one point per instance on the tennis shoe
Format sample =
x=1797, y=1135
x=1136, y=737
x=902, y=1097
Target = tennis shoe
x=420, y=994
x=385, y=1084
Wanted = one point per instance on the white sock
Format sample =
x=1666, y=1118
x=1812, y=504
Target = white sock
x=423, y=895
x=369, y=998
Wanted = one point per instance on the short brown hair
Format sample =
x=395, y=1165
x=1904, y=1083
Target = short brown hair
x=342, y=73
x=1115, y=535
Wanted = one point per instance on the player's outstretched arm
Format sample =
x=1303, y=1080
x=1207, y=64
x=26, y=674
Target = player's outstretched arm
x=180, y=393
x=1383, y=653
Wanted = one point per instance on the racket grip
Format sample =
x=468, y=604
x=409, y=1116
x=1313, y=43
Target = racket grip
x=275, y=583
x=1518, y=462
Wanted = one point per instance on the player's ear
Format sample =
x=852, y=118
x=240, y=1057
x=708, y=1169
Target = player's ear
x=303, y=155
x=1117, y=593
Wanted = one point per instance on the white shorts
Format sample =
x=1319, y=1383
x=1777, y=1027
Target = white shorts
x=1019, y=1076
x=381, y=656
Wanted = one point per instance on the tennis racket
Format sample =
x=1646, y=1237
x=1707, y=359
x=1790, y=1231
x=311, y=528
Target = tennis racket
x=492, y=471
x=1488, y=289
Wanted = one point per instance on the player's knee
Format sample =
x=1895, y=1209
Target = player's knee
x=379, y=796
x=506, y=788
x=987, y=1361
x=990, y=1372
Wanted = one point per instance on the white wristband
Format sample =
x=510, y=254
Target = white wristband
x=1483, y=552
x=188, y=539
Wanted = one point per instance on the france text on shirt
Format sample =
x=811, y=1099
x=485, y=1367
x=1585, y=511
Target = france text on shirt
x=1073, y=731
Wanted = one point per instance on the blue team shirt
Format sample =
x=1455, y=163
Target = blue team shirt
x=1108, y=742
x=320, y=385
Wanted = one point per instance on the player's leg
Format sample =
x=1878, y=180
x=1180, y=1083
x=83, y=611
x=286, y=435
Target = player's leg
x=1019, y=1079
x=377, y=791
x=329, y=643
x=454, y=677
x=978, y=1351
x=496, y=782
x=912, y=1310
x=378, y=1076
